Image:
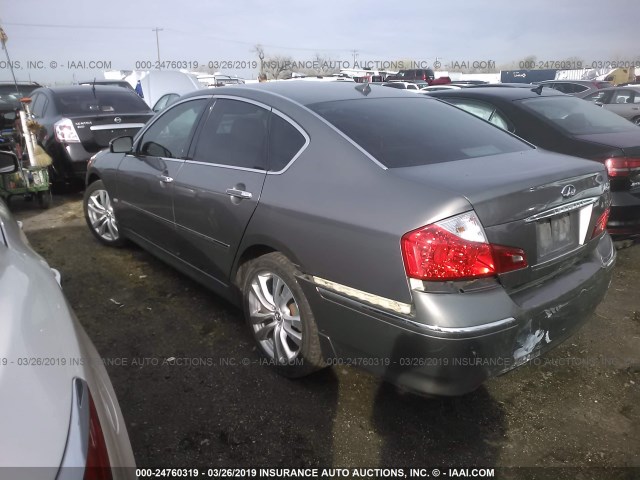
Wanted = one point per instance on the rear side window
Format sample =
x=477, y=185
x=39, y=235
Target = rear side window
x=405, y=132
x=285, y=141
x=599, y=97
x=85, y=100
x=577, y=88
x=569, y=88
x=483, y=110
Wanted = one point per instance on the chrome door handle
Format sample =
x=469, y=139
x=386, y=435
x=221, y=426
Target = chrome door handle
x=234, y=192
x=165, y=179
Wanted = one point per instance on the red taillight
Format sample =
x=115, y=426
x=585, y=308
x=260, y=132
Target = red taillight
x=444, y=252
x=98, y=466
x=65, y=132
x=622, y=166
x=601, y=223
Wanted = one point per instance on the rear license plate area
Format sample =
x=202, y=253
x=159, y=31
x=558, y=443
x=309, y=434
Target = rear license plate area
x=556, y=235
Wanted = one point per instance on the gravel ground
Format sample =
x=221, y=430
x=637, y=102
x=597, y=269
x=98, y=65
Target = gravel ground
x=215, y=405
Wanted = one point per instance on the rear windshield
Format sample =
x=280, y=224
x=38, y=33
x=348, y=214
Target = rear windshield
x=84, y=100
x=577, y=116
x=406, y=132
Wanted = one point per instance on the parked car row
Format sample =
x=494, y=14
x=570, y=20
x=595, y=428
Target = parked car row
x=568, y=125
x=279, y=196
x=78, y=121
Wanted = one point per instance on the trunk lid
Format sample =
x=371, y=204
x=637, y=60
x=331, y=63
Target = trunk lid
x=544, y=203
x=628, y=141
x=97, y=130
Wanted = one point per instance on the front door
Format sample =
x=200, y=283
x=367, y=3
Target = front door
x=145, y=177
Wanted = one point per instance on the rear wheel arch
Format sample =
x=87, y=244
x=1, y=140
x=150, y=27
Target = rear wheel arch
x=254, y=251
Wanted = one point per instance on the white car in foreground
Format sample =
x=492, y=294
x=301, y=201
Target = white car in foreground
x=60, y=418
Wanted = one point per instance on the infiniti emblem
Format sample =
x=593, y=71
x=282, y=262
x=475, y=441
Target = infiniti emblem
x=117, y=119
x=568, y=191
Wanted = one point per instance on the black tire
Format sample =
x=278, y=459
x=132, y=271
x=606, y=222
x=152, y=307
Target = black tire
x=99, y=215
x=636, y=120
x=44, y=199
x=265, y=271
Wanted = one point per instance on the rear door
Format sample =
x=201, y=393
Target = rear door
x=218, y=189
x=145, y=178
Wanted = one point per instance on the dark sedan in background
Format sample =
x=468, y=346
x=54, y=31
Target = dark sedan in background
x=569, y=125
x=79, y=121
x=364, y=225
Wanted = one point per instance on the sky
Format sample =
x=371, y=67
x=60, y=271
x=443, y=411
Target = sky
x=67, y=40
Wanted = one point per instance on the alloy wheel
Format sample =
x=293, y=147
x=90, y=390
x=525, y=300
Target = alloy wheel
x=275, y=317
x=101, y=216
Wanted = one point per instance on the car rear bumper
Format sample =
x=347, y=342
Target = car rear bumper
x=71, y=159
x=475, y=336
x=624, y=220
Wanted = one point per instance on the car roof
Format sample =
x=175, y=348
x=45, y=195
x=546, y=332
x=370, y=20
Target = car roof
x=619, y=87
x=504, y=93
x=19, y=82
x=579, y=82
x=103, y=82
x=307, y=93
x=84, y=88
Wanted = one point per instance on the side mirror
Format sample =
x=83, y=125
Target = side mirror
x=121, y=145
x=8, y=162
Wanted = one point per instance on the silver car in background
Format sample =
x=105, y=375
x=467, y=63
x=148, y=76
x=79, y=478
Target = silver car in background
x=60, y=418
x=364, y=225
x=625, y=101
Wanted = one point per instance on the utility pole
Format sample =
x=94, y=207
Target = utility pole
x=157, y=41
x=355, y=56
x=3, y=40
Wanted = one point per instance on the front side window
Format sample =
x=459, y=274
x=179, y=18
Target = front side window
x=597, y=97
x=235, y=134
x=170, y=134
x=406, y=132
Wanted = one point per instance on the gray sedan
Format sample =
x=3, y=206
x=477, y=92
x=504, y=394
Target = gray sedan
x=364, y=225
x=60, y=417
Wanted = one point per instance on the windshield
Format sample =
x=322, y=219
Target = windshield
x=84, y=100
x=406, y=132
x=577, y=116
